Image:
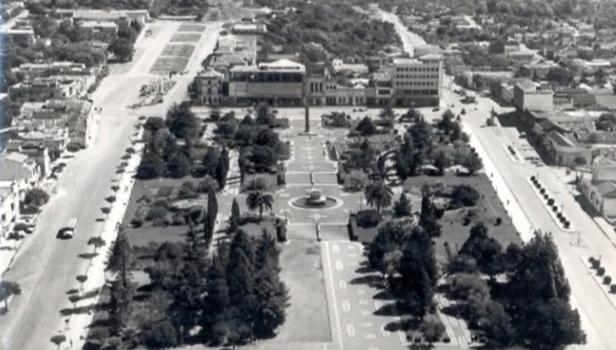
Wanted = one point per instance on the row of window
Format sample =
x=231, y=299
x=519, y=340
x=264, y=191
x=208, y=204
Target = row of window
x=419, y=76
x=416, y=83
x=417, y=92
x=417, y=69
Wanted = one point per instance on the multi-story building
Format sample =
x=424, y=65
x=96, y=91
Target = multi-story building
x=19, y=169
x=209, y=88
x=118, y=16
x=527, y=96
x=99, y=30
x=43, y=89
x=31, y=71
x=403, y=83
x=417, y=82
x=277, y=83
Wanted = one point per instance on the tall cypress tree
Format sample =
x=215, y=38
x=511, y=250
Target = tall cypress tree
x=221, y=173
x=272, y=299
x=234, y=219
x=120, y=260
x=267, y=249
x=210, y=217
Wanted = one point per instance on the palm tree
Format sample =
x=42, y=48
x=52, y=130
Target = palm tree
x=378, y=194
x=259, y=200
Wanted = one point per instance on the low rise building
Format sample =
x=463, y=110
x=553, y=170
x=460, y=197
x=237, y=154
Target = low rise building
x=23, y=35
x=249, y=28
x=527, y=96
x=19, y=169
x=9, y=207
x=43, y=89
x=99, y=30
x=141, y=16
x=31, y=71
x=54, y=139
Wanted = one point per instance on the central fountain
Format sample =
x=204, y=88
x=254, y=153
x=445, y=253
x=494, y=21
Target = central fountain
x=314, y=199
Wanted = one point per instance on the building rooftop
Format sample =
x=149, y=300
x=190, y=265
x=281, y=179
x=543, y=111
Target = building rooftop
x=97, y=24
x=527, y=85
x=12, y=169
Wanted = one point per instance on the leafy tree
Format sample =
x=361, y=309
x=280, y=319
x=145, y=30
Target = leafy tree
x=419, y=270
x=259, y=200
x=355, y=180
x=472, y=163
x=120, y=260
x=8, y=288
x=36, y=197
x=207, y=184
x=551, y=325
x=465, y=285
x=411, y=115
x=182, y=122
x=97, y=242
x=497, y=325
x=390, y=237
x=432, y=330
x=402, y=207
x=210, y=160
x=560, y=76
x=263, y=157
x=179, y=166
x=464, y=195
x=163, y=335
x=151, y=166
x=122, y=49
x=153, y=124
x=442, y=161
x=462, y=264
x=378, y=194
x=366, y=127
x=264, y=115
x=484, y=249
x=427, y=217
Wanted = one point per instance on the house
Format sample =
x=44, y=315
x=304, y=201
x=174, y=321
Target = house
x=527, y=96
x=19, y=169
x=23, y=35
x=602, y=196
x=9, y=207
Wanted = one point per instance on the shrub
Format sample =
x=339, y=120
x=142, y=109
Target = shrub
x=446, y=340
x=542, y=191
x=466, y=221
x=555, y=208
x=567, y=224
x=464, y=195
x=533, y=178
x=137, y=222
x=499, y=221
x=595, y=264
x=550, y=201
x=82, y=278
x=601, y=271
x=591, y=260
x=368, y=218
x=607, y=280
x=613, y=289
x=545, y=196
x=58, y=339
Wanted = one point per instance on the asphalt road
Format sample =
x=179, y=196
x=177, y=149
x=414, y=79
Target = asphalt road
x=46, y=267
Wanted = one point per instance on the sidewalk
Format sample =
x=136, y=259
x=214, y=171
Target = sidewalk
x=514, y=211
x=8, y=250
x=75, y=327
